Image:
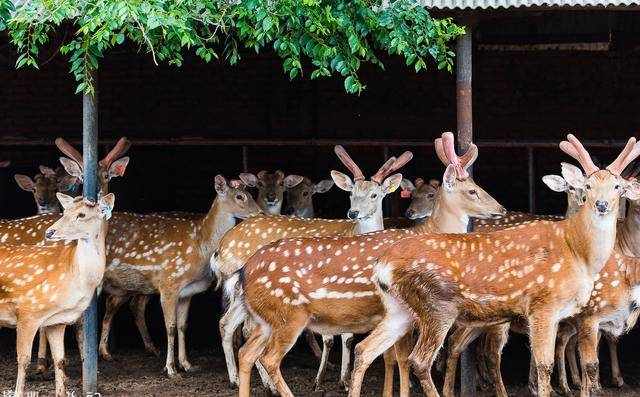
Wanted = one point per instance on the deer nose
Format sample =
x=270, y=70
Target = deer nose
x=410, y=213
x=352, y=214
x=50, y=233
x=271, y=197
x=602, y=205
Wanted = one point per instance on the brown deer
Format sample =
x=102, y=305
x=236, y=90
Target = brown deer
x=542, y=271
x=300, y=197
x=271, y=188
x=365, y=215
x=49, y=287
x=324, y=284
x=422, y=197
x=45, y=185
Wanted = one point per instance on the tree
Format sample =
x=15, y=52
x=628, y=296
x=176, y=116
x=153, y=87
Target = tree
x=318, y=37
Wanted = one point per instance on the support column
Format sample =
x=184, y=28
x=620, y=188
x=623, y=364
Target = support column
x=90, y=191
x=464, y=74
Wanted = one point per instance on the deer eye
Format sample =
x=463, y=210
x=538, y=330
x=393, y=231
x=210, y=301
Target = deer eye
x=430, y=195
x=305, y=194
x=571, y=188
x=588, y=187
x=616, y=187
x=81, y=215
x=240, y=197
x=473, y=191
x=374, y=195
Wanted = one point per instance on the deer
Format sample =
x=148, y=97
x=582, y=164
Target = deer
x=365, y=215
x=300, y=197
x=541, y=271
x=422, y=197
x=271, y=188
x=49, y=287
x=44, y=186
x=324, y=283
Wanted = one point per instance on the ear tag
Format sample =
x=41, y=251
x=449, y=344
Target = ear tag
x=405, y=193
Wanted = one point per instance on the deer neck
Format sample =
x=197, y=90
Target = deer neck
x=446, y=218
x=572, y=209
x=591, y=237
x=90, y=255
x=270, y=209
x=628, y=238
x=214, y=225
x=307, y=213
x=43, y=210
x=372, y=223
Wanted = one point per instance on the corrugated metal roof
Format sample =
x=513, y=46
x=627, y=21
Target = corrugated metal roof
x=493, y=4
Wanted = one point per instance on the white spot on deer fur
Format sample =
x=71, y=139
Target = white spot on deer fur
x=556, y=267
x=308, y=250
x=615, y=283
x=598, y=286
x=540, y=279
x=285, y=280
x=272, y=266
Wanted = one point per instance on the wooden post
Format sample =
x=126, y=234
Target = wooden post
x=464, y=73
x=90, y=191
x=532, y=180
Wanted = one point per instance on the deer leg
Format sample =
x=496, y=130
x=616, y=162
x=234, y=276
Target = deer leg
x=247, y=356
x=55, y=335
x=402, y=350
x=458, y=342
x=347, y=341
x=616, y=374
x=25, y=333
x=542, y=336
x=496, y=338
x=138, y=306
x=565, y=332
x=571, y=355
x=389, y=357
x=113, y=303
x=183, y=314
x=327, y=344
x=229, y=323
x=588, y=348
x=169, y=310
x=313, y=344
x=78, y=327
x=41, y=365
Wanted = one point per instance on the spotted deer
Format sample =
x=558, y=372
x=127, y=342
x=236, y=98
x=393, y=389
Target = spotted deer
x=271, y=188
x=541, y=271
x=422, y=197
x=324, y=284
x=49, y=287
x=300, y=197
x=365, y=215
x=45, y=185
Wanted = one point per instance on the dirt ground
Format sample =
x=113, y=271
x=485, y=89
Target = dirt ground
x=135, y=373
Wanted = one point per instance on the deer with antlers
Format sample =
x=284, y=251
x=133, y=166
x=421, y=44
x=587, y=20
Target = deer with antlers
x=271, y=188
x=324, y=284
x=49, y=287
x=365, y=215
x=542, y=271
x=45, y=185
x=300, y=197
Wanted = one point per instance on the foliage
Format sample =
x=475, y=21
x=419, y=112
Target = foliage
x=323, y=37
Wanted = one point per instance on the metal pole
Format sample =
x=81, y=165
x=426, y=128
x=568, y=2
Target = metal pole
x=245, y=159
x=90, y=191
x=464, y=73
x=532, y=181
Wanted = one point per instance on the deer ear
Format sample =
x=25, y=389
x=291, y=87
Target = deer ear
x=407, y=185
x=67, y=183
x=106, y=204
x=292, y=181
x=25, y=182
x=632, y=190
x=573, y=176
x=449, y=177
x=555, y=183
x=249, y=179
x=118, y=167
x=279, y=175
x=46, y=171
x=342, y=181
x=323, y=186
x=391, y=183
x=72, y=168
x=64, y=200
x=220, y=185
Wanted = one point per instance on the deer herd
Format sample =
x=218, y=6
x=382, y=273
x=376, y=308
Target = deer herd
x=562, y=281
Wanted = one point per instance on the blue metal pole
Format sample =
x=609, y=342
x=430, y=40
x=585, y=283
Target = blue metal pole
x=90, y=191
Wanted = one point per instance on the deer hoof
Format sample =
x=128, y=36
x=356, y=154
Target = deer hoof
x=172, y=373
x=106, y=356
x=188, y=368
x=153, y=350
x=618, y=382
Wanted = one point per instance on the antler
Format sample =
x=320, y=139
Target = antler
x=118, y=150
x=66, y=148
x=574, y=148
x=391, y=165
x=349, y=163
x=628, y=154
x=460, y=163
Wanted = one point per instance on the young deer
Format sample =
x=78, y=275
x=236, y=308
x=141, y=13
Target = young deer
x=271, y=188
x=542, y=271
x=49, y=287
x=45, y=185
x=365, y=214
x=422, y=197
x=324, y=284
x=300, y=197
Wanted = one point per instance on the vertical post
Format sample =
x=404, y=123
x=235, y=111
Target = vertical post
x=90, y=191
x=387, y=205
x=464, y=74
x=532, y=181
x=245, y=159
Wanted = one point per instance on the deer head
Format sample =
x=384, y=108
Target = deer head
x=423, y=197
x=300, y=197
x=271, y=188
x=81, y=218
x=366, y=196
x=112, y=165
x=603, y=187
x=458, y=189
x=45, y=185
x=575, y=197
x=234, y=199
